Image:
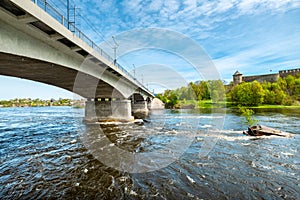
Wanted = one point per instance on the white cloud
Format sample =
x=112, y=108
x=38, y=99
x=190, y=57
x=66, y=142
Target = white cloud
x=171, y=6
x=190, y=4
x=155, y=5
x=258, y=6
x=132, y=6
x=261, y=56
x=224, y=5
x=210, y=22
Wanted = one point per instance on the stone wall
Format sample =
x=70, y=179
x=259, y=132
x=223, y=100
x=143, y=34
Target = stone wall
x=261, y=78
x=293, y=72
x=265, y=77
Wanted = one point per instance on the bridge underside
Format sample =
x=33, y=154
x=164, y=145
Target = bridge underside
x=83, y=84
x=100, y=94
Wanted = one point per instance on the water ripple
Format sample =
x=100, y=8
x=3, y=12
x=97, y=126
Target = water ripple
x=42, y=156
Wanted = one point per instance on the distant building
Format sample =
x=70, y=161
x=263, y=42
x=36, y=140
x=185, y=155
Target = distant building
x=238, y=77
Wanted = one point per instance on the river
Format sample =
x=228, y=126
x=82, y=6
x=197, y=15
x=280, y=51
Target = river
x=47, y=152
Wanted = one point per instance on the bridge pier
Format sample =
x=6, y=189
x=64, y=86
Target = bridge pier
x=107, y=110
x=139, y=109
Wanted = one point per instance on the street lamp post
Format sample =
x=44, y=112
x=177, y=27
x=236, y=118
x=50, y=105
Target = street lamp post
x=133, y=71
x=68, y=13
x=115, y=50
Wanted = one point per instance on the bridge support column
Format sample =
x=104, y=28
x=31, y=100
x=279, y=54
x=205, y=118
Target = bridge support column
x=139, y=109
x=107, y=110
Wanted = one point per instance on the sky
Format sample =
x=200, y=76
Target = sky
x=252, y=36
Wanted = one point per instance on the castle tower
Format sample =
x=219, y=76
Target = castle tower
x=237, y=78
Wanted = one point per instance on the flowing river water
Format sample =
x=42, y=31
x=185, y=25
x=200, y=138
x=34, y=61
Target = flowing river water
x=45, y=153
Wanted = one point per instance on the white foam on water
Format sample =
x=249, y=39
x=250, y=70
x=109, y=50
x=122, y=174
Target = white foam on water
x=133, y=193
x=226, y=131
x=73, y=141
x=172, y=132
x=190, y=179
x=206, y=126
x=197, y=117
x=118, y=122
x=110, y=188
x=233, y=138
x=123, y=178
x=123, y=135
x=190, y=195
x=287, y=154
x=232, y=135
x=246, y=144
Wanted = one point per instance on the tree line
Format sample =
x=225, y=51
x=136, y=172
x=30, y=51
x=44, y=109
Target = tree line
x=286, y=91
x=201, y=90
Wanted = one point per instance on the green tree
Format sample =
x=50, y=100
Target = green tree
x=280, y=95
x=183, y=93
x=282, y=84
x=217, y=90
x=297, y=87
x=290, y=85
x=248, y=116
x=248, y=94
x=170, y=98
x=197, y=90
x=258, y=93
x=204, y=88
x=270, y=97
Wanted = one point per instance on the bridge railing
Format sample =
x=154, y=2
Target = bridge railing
x=51, y=10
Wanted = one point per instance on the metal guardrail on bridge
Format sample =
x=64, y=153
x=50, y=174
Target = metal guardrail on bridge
x=47, y=7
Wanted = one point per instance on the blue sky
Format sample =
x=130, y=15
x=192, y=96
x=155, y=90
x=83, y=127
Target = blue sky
x=252, y=36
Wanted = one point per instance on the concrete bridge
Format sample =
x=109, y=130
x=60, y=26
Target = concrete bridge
x=41, y=45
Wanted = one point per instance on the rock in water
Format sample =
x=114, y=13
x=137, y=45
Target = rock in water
x=140, y=113
x=157, y=104
x=260, y=130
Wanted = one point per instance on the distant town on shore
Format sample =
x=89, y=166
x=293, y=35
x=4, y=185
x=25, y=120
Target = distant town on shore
x=28, y=102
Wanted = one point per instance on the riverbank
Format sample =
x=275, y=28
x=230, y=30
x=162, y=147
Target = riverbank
x=226, y=104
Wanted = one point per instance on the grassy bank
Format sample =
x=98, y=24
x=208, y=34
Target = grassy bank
x=276, y=106
x=226, y=104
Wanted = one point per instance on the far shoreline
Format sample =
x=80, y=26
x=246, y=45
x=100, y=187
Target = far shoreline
x=28, y=102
